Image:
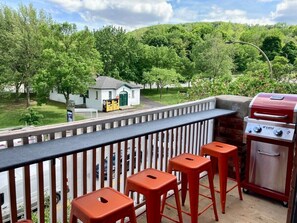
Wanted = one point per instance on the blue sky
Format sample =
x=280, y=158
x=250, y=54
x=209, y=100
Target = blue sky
x=132, y=14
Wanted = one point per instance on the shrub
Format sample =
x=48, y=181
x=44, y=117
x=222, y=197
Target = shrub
x=31, y=117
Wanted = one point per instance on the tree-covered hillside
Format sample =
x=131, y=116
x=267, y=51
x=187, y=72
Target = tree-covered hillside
x=216, y=58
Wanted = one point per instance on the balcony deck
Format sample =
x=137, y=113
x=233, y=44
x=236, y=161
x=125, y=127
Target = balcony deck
x=252, y=209
x=98, y=153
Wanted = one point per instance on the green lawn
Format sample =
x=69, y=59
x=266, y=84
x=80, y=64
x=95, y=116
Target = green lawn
x=11, y=112
x=55, y=112
x=170, y=96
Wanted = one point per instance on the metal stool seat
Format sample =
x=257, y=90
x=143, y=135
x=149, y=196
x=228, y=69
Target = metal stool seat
x=153, y=184
x=102, y=206
x=221, y=152
x=190, y=167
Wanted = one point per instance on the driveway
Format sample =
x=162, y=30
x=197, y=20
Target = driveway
x=145, y=103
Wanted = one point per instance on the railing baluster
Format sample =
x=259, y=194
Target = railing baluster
x=93, y=170
x=41, y=200
x=27, y=191
x=12, y=191
x=74, y=175
x=64, y=189
x=101, y=167
x=119, y=160
x=53, y=203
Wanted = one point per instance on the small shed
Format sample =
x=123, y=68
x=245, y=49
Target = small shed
x=105, y=88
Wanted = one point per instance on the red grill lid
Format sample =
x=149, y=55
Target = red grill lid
x=274, y=107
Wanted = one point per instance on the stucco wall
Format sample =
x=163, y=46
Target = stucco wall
x=97, y=103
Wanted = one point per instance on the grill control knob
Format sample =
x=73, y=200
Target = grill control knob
x=278, y=132
x=257, y=129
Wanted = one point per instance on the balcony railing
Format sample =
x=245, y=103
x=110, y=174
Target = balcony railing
x=54, y=164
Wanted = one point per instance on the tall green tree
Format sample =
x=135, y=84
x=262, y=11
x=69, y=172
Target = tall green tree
x=272, y=46
x=8, y=69
x=21, y=45
x=163, y=57
x=212, y=57
x=281, y=67
x=119, y=53
x=70, y=62
x=289, y=51
x=162, y=77
x=30, y=25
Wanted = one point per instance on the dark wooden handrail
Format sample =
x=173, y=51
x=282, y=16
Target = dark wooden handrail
x=38, y=152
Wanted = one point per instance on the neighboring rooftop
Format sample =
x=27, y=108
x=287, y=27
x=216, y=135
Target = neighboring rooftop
x=105, y=82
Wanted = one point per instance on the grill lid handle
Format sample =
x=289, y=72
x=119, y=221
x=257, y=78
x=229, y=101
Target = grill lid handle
x=261, y=115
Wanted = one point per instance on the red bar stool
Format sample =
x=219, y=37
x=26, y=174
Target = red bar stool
x=221, y=152
x=152, y=184
x=102, y=206
x=191, y=166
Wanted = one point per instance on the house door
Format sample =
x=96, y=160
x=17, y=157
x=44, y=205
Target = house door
x=123, y=98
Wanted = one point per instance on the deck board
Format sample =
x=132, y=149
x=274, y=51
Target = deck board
x=252, y=209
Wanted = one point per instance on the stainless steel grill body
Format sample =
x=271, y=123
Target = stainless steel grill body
x=271, y=143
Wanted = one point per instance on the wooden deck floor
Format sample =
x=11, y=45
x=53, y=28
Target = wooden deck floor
x=252, y=209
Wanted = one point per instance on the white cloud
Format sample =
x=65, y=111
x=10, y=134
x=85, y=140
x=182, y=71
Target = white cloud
x=236, y=16
x=185, y=14
x=286, y=12
x=130, y=13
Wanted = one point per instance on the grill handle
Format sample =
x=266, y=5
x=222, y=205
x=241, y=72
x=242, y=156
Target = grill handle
x=268, y=154
x=261, y=115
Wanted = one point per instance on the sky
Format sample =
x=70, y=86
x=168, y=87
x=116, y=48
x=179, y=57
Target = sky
x=133, y=14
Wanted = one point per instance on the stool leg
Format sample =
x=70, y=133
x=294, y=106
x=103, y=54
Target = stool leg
x=163, y=202
x=127, y=190
x=153, y=209
x=236, y=164
x=178, y=207
x=193, y=196
x=132, y=216
x=184, y=184
x=73, y=218
x=213, y=198
x=223, y=169
x=214, y=164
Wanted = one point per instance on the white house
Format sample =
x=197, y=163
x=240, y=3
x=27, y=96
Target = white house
x=104, y=89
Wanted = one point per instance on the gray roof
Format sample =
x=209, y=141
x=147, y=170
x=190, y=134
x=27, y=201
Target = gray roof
x=104, y=82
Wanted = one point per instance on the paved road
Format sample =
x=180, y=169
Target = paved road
x=145, y=103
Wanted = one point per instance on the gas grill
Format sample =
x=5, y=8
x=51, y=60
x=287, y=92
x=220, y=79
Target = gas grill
x=271, y=143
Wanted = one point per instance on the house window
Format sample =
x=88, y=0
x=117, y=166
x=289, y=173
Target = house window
x=133, y=94
x=110, y=94
x=97, y=93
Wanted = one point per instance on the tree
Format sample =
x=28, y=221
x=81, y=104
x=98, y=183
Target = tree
x=289, y=51
x=7, y=47
x=272, y=46
x=243, y=55
x=281, y=67
x=30, y=25
x=20, y=48
x=212, y=57
x=119, y=53
x=162, y=77
x=70, y=62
